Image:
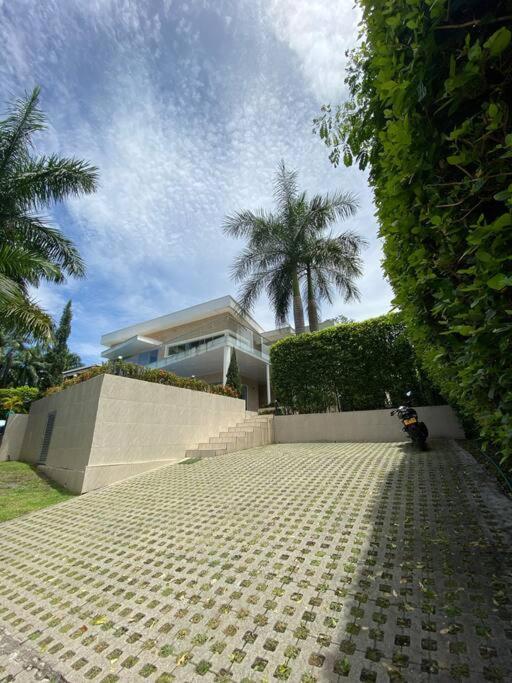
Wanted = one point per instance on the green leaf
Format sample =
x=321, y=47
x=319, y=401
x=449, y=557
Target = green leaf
x=499, y=281
x=499, y=41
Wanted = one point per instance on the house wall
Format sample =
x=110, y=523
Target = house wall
x=110, y=428
x=363, y=425
x=12, y=440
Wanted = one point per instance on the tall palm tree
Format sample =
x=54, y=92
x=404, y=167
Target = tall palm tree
x=289, y=246
x=270, y=260
x=31, y=250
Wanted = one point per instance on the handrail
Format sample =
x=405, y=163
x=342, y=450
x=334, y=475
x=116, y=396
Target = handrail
x=235, y=340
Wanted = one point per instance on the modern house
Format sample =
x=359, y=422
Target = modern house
x=197, y=341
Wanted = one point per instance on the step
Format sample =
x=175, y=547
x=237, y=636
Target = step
x=234, y=434
x=223, y=439
x=242, y=428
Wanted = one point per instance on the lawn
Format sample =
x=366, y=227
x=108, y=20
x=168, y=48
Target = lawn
x=23, y=489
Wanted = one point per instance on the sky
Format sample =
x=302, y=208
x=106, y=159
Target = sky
x=186, y=108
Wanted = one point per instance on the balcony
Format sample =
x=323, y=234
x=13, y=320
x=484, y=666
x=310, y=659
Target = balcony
x=228, y=338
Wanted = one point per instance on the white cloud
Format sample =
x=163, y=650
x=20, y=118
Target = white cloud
x=319, y=32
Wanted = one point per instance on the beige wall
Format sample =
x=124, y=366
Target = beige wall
x=110, y=427
x=12, y=440
x=363, y=425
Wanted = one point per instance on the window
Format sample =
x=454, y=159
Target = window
x=147, y=357
x=173, y=349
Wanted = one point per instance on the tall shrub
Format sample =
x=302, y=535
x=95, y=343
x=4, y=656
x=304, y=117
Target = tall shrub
x=233, y=375
x=353, y=366
x=430, y=115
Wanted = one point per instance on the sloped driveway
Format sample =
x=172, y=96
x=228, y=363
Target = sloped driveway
x=303, y=562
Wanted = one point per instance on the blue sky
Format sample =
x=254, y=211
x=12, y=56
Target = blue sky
x=186, y=108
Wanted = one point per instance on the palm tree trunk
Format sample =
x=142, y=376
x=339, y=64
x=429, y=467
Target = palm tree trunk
x=312, y=310
x=298, y=311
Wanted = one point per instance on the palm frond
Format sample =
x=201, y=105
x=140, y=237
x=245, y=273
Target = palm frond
x=48, y=241
x=19, y=264
x=44, y=180
x=21, y=315
x=285, y=187
x=23, y=120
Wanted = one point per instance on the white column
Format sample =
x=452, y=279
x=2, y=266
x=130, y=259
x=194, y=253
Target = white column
x=226, y=360
x=268, y=384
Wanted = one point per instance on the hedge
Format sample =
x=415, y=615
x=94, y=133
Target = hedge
x=430, y=114
x=147, y=375
x=17, y=399
x=352, y=366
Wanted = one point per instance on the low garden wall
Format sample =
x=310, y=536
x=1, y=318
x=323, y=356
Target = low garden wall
x=363, y=425
x=12, y=440
x=109, y=428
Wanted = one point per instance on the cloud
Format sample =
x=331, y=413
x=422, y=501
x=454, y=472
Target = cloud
x=319, y=33
x=186, y=113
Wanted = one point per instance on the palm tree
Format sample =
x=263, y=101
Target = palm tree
x=270, y=261
x=289, y=245
x=21, y=365
x=331, y=265
x=31, y=250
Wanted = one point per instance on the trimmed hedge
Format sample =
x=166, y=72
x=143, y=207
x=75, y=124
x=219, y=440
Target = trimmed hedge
x=19, y=398
x=147, y=375
x=430, y=115
x=352, y=366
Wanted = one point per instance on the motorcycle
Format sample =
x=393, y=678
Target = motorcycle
x=417, y=431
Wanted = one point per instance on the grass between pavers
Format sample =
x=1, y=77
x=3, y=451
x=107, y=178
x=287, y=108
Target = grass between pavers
x=23, y=489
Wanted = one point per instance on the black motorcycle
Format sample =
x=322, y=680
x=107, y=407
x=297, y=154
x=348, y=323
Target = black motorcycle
x=417, y=431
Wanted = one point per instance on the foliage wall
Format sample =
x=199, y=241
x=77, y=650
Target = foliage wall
x=353, y=366
x=148, y=375
x=430, y=114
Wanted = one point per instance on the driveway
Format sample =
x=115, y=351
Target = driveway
x=303, y=562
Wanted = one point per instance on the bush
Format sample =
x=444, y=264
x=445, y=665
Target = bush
x=17, y=399
x=353, y=366
x=430, y=113
x=147, y=375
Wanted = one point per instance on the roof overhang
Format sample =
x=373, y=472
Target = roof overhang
x=131, y=346
x=224, y=304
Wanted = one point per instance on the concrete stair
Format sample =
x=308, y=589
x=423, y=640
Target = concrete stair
x=255, y=430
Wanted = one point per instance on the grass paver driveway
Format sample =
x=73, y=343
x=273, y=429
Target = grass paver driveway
x=303, y=562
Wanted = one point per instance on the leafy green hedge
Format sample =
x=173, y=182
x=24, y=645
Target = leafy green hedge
x=354, y=366
x=430, y=113
x=17, y=399
x=146, y=374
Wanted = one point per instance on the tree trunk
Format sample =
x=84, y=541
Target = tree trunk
x=312, y=310
x=298, y=311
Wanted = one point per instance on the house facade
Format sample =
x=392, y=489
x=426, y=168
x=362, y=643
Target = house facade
x=198, y=341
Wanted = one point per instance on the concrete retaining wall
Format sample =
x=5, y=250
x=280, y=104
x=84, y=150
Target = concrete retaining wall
x=110, y=428
x=12, y=440
x=363, y=425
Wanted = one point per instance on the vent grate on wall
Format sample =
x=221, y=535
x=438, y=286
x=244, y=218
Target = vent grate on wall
x=47, y=437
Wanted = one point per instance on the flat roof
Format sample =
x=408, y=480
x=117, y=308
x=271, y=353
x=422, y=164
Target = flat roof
x=207, y=309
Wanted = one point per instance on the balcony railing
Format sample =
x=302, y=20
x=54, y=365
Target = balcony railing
x=229, y=338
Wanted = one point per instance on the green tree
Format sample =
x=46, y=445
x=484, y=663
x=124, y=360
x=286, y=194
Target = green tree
x=20, y=364
x=430, y=116
x=288, y=246
x=233, y=375
x=59, y=357
x=30, y=249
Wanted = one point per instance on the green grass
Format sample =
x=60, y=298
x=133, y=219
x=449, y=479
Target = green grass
x=24, y=489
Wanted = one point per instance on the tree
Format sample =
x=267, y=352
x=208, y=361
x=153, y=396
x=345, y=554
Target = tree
x=30, y=249
x=288, y=246
x=58, y=356
x=429, y=115
x=233, y=376
x=20, y=365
